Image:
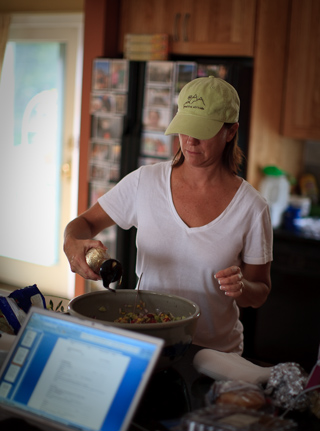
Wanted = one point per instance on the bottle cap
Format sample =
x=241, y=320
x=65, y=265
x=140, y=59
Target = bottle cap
x=273, y=171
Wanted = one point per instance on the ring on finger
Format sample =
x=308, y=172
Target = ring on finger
x=241, y=286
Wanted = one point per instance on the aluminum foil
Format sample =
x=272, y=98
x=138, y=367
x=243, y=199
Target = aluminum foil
x=285, y=386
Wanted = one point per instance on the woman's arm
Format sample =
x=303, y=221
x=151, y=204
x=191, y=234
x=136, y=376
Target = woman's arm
x=78, y=240
x=249, y=285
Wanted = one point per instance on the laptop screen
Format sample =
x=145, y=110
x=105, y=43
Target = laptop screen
x=77, y=373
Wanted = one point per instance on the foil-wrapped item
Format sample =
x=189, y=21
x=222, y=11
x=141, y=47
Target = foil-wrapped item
x=285, y=386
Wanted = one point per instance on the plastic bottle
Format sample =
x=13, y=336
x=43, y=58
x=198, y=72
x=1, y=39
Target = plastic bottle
x=275, y=188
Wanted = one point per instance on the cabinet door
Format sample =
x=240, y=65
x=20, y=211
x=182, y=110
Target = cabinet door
x=212, y=27
x=141, y=17
x=302, y=97
x=195, y=27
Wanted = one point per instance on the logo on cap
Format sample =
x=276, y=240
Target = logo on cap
x=193, y=99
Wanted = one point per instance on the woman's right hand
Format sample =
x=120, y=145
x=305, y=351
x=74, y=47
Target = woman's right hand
x=77, y=240
x=76, y=250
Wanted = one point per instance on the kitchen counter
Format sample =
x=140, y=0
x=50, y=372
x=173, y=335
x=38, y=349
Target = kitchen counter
x=171, y=394
x=299, y=237
x=287, y=327
x=181, y=389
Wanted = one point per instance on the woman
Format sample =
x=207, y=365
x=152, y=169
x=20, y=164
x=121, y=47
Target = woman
x=202, y=232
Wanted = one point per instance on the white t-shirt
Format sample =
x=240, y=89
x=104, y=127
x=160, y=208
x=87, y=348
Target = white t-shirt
x=180, y=260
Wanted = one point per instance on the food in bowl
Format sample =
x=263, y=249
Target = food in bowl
x=178, y=334
x=139, y=314
x=146, y=318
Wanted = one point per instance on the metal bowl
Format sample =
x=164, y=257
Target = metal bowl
x=104, y=306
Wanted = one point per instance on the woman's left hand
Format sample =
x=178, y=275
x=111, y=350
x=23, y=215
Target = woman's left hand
x=231, y=281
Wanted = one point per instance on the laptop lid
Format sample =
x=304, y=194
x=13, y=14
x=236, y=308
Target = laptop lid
x=63, y=372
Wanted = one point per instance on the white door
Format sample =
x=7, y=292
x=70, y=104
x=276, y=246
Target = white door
x=40, y=98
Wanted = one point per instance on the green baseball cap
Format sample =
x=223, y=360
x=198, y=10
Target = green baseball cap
x=204, y=105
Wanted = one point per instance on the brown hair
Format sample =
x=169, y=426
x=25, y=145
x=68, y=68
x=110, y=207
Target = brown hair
x=231, y=157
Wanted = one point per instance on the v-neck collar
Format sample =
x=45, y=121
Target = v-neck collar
x=208, y=225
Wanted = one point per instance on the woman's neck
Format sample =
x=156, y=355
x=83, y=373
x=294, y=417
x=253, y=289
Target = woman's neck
x=199, y=177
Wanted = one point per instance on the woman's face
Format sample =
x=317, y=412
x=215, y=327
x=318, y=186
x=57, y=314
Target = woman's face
x=205, y=152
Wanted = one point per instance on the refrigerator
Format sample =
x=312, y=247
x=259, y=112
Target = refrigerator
x=131, y=105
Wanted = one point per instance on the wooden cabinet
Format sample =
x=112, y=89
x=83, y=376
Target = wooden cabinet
x=302, y=96
x=195, y=27
x=141, y=17
x=267, y=146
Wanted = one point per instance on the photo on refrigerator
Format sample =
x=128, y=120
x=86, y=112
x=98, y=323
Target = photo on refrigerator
x=156, y=144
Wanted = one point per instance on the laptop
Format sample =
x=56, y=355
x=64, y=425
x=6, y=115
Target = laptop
x=65, y=373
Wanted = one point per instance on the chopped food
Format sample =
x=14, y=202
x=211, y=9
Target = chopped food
x=139, y=314
x=147, y=318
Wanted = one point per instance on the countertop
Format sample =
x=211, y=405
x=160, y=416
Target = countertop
x=286, y=328
x=181, y=389
x=297, y=236
x=171, y=394
x=178, y=390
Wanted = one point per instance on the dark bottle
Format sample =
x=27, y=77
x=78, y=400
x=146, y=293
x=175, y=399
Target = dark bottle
x=101, y=263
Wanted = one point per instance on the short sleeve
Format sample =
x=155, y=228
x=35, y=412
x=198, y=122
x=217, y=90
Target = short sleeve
x=120, y=202
x=258, y=247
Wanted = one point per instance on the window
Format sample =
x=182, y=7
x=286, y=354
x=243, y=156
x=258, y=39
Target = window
x=40, y=97
x=31, y=119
